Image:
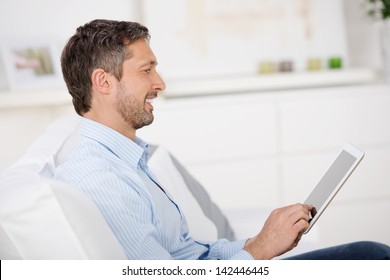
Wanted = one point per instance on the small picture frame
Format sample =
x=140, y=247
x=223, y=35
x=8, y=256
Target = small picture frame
x=32, y=65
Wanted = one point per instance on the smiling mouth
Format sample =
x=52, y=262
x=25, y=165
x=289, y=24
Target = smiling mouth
x=149, y=100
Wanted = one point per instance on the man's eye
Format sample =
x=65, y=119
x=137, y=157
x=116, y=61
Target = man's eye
x=147, y=71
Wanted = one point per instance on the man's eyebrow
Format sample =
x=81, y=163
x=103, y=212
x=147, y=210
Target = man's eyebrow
x=149, y=63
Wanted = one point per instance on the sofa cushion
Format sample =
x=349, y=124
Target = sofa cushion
x=51, y=147
x=45, y=219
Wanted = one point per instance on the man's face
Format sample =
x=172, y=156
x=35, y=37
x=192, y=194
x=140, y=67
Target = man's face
x=138, y=86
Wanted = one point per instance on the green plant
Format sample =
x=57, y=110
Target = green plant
x=378, y=9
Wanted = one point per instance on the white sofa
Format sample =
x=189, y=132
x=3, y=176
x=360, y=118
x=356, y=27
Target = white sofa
x=41, y=218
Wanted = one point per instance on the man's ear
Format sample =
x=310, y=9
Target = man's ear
x=101, y=80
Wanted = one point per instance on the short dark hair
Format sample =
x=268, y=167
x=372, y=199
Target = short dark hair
x=98, y=44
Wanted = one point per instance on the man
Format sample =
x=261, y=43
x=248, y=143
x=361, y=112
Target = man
x=110, y=71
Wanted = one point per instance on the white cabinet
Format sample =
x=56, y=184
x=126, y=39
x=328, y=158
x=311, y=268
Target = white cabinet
x=270, y=149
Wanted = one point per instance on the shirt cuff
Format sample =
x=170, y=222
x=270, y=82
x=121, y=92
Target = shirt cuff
x=242, y=255
x=234, y=251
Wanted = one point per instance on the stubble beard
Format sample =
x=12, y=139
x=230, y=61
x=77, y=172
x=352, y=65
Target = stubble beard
x=132, y=111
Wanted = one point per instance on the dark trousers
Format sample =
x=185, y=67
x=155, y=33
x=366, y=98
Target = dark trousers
x=363, y=250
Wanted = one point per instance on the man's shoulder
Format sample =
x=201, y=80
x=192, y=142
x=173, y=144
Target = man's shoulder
x=86, y=159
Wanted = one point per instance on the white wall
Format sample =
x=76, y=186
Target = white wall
x=216, y=38
x=57, y=20
x=363, y=36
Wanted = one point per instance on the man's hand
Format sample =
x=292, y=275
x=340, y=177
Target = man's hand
x=281, y=232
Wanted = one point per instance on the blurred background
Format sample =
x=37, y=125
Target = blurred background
x=261, y=95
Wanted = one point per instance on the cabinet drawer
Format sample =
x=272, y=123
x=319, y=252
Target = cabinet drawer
x=325, y=123
x=215, y=131
x=371, y=179
x=241, y=183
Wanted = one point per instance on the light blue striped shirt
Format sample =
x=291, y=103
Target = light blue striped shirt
x=112, y=171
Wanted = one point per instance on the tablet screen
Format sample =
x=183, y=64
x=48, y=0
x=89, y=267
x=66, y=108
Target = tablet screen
x=332, y=181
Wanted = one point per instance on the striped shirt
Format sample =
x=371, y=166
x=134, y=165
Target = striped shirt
x=111, y=170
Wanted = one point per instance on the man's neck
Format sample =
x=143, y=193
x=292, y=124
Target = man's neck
x=116, y=124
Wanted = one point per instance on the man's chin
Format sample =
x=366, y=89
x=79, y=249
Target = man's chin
x=144, y=123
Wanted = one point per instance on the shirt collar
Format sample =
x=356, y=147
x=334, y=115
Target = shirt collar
x=132, y=152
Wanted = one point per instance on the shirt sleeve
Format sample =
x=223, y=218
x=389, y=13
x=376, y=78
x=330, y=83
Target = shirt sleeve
x=226, y=250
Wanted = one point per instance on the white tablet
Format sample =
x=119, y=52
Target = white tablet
x=331, y=182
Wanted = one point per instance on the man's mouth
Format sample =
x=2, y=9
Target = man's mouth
x=149, y=102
